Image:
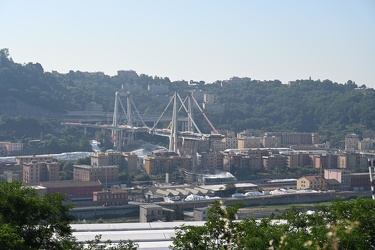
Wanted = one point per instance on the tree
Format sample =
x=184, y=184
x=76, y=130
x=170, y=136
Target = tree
x=97, y=244
x=218, y=233
x=341, y=225
x=30, y=222
x=84, y=161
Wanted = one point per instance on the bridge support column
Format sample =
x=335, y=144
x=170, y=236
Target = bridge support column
x=128, y=138
x=117, y=138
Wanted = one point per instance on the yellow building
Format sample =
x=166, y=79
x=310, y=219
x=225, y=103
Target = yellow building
x=312, y=183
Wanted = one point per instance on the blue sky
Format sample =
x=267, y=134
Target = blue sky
x=196, y=40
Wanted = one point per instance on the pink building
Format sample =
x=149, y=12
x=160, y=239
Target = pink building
x=341, y=175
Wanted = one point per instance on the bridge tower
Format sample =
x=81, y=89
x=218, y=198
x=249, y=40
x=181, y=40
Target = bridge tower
x=119, y=136
x=190, y=113
x=173, y=138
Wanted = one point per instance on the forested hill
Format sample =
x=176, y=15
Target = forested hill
x=303, y=105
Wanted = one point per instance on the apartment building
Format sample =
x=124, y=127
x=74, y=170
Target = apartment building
x=230, y=142
x=166, y=163
x=113, y=197
x=231, y=162
x=274, y=161
x=39, y=158
x=298, y=160
x=271, y=141
x=324, y=160
x=352, y=161
x=294, y=138
x=218, y=145
x=312, y=183
x=127, y=160
x=250, y=133
x=11, y=147
x=341, y=175
x=107, y=158
x=212, y=161
x=288, y=139
x=366, y=144
x=131, y=162
x=351, y=141
x=250, y=142
x=234, y=162
x=104, y=174
x=34, y=171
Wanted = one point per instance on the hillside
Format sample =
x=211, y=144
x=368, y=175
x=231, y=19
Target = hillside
x=11, y=106
x=330, y=108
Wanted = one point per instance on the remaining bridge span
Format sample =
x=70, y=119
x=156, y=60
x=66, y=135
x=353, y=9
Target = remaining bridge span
x=124, y=133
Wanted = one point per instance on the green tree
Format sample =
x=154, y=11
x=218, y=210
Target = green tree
x=341, y=225
x=97, y=244
x=31, y=222
x=84, y=161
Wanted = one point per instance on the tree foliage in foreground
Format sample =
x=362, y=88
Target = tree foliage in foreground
x=30, y=222
x=27, y=221
x=342, y=225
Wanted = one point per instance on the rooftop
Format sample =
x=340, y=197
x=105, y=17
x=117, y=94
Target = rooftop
x=90, y=167
x=69, y=183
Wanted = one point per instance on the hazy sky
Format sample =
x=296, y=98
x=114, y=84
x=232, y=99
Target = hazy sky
x=196, y=40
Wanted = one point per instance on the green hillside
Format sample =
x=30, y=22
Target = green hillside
x=326, y=107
